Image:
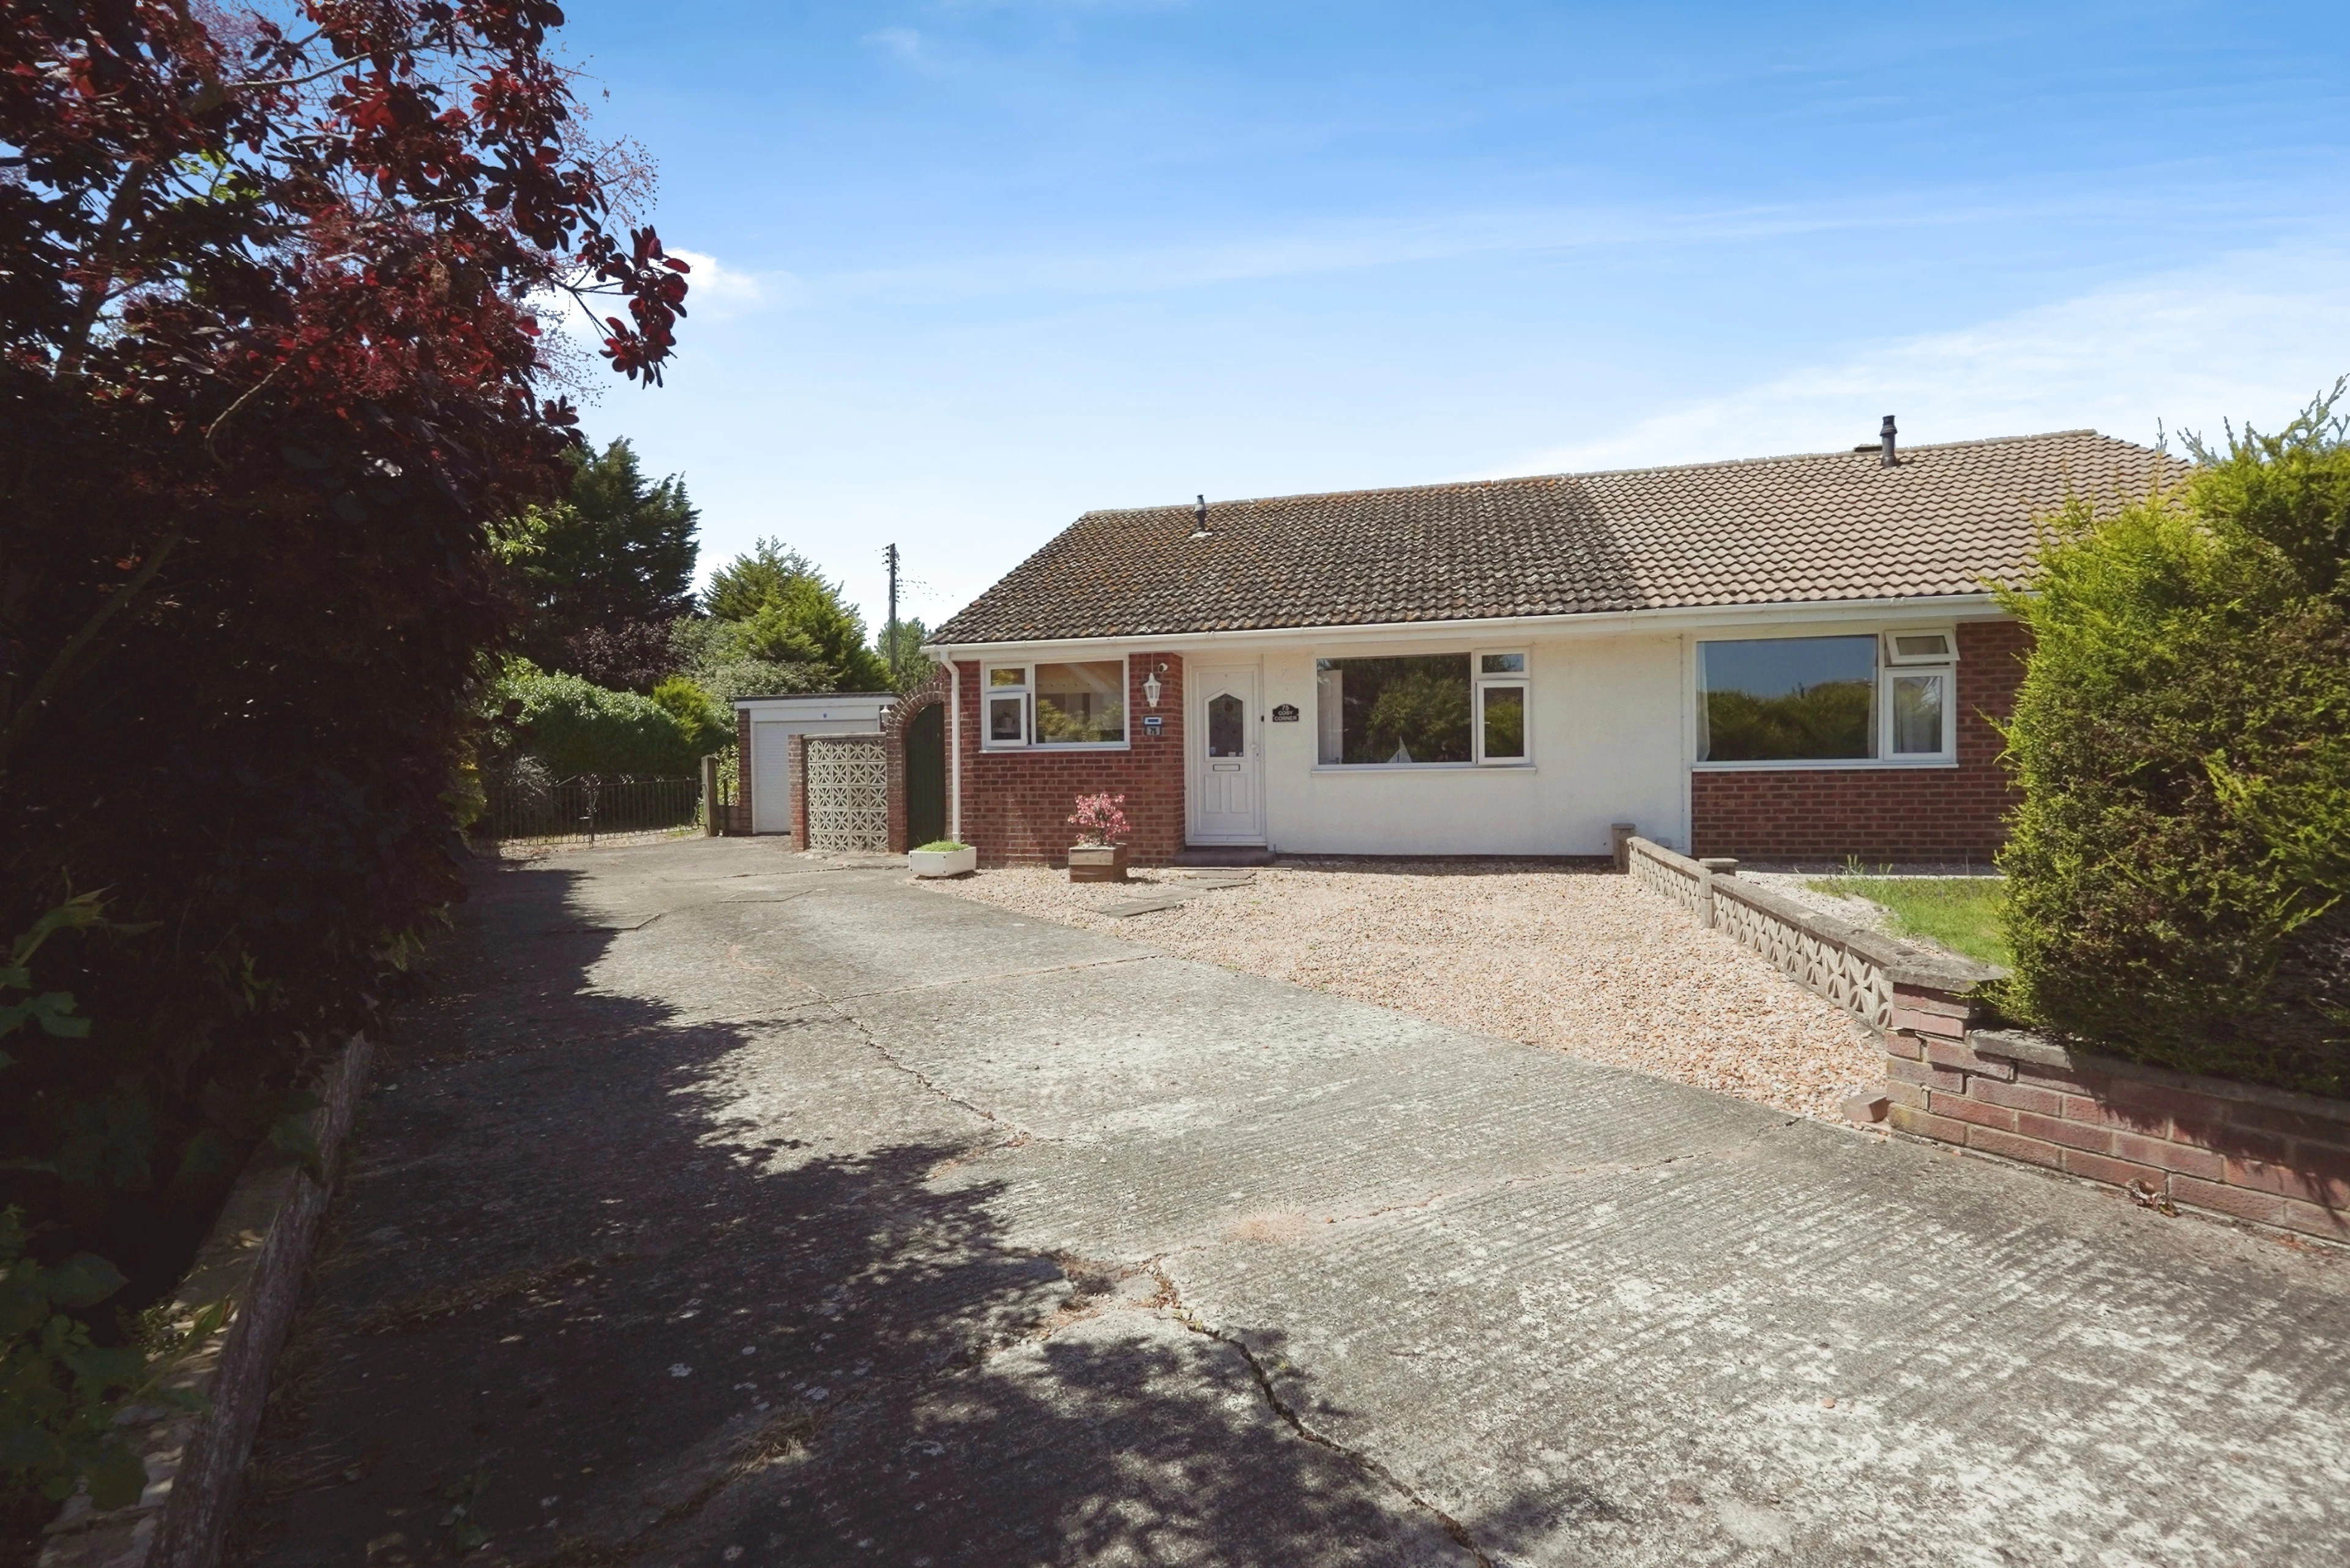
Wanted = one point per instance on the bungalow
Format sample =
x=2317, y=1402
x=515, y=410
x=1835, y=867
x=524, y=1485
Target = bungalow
x=1786, y=656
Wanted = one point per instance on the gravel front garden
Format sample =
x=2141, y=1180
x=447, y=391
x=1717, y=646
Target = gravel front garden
x=1580, y=961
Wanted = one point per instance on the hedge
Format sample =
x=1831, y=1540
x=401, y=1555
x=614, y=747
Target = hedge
x=575, y=727
x=2179, y=866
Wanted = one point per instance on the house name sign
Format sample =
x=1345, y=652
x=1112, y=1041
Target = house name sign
x=1284, y=714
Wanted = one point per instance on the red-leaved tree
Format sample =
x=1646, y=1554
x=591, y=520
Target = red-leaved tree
x=271, y=360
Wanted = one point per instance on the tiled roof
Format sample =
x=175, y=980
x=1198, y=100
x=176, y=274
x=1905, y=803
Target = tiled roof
x=1830, y=525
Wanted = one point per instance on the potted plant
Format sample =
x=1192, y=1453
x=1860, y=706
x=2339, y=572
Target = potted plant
x=1099, y=853
x=943, y=858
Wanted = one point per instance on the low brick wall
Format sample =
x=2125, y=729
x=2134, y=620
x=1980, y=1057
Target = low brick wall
x=2173, y=1139
x=253, y=1259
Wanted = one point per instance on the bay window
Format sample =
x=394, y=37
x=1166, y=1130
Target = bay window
x=1849, y=698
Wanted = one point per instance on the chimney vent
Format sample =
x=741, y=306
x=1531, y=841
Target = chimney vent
x=1199, y=517
x=1886, y=458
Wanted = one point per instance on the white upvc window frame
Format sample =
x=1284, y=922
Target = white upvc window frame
x=1518, y=679
x=1025, y=692
x=1894, y=666
x=1891, y=665
x=1521, y=678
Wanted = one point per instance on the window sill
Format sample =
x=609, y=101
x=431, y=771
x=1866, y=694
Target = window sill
x=1051, y=748
x=1423, y=768
x=1839, y=764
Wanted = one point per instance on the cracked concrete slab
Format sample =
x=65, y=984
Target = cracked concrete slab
x=720, y=1207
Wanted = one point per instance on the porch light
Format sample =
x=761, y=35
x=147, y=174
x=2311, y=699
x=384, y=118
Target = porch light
x=1150, y=687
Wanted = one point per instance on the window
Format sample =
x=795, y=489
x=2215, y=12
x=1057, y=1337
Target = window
x=1435, y=708
x=1067, y=704
x=1081, y=705
x=1373, y=711
x=1827, y=698
x=1502, y=708
x=1227, y=726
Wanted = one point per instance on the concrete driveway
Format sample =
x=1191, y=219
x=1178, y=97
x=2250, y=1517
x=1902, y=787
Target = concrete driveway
x=717, y=1207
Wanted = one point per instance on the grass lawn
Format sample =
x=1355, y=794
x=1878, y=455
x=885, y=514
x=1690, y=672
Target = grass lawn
x=1959, y=912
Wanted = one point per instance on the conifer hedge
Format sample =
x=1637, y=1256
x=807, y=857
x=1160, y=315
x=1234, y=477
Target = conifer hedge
x=2178, y=869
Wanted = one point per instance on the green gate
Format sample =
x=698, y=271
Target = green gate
x=926, y=776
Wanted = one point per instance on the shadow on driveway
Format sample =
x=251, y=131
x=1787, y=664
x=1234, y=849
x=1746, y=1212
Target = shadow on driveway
x=604, y=1285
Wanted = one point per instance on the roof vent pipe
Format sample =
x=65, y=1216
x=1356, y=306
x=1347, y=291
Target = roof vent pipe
x=1886, y=458
x=1199, y=517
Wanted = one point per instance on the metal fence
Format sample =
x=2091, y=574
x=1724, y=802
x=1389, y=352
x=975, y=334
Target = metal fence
x=588, y=808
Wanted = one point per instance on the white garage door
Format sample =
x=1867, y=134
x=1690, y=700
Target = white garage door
x=771, y=783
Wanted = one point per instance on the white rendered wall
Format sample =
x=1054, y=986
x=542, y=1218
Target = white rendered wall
x=1607, y=737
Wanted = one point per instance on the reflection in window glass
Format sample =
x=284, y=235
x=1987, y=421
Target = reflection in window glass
x=1012, y=675
x=1794, y=698
x=1003, y=719
x=1918, y=715
x=1079, y=704
x=1500, y=664
x=1505, y=722
x=1227, y=725
x=1375, y=711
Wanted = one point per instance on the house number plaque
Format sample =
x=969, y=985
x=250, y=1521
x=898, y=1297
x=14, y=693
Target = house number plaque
x=1284, y=714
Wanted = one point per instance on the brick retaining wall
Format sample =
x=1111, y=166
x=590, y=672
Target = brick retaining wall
x=2263, y=1155
x=2171, y=1141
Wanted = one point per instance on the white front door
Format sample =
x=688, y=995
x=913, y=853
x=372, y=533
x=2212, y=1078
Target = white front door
x=1227, y=787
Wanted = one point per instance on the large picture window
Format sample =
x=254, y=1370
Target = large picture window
x=1421, y=709
x=1826, y=699
x=1076, y=703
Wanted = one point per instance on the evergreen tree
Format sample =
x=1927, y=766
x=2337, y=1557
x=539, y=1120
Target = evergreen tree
x=774, y=616
x=743, y=585
x=606, y=569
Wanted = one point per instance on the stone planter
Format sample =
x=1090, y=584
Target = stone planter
x=1098, y=863
x=944, y=862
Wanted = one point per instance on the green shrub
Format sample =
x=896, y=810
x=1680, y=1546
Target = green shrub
x=2178, y=868
x=706, y=724
x=578, y=728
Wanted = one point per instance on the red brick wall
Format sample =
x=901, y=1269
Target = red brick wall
x=2249, y=1153
x=1880, y=813
x=1015, y=804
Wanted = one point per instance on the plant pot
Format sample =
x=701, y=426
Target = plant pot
x=1098, y=863
x=944, y=862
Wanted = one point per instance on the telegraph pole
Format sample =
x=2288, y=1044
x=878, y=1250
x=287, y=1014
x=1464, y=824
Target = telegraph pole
x=892, y=634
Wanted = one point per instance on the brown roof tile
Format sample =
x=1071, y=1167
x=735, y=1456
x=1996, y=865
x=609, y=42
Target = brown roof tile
x=1829, y=525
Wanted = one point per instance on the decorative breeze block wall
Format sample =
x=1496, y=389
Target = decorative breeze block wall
x=846, y=792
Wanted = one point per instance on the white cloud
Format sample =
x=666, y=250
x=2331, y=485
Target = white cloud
x=2252, y=336
x=911, y=47
x=716, y=289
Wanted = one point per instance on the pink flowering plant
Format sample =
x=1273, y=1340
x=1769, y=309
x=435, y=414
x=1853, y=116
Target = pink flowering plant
x=1100, y=819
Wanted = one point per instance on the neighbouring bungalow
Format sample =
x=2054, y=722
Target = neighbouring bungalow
x=1791, y=656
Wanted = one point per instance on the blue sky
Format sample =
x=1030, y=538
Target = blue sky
x=967, y=268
